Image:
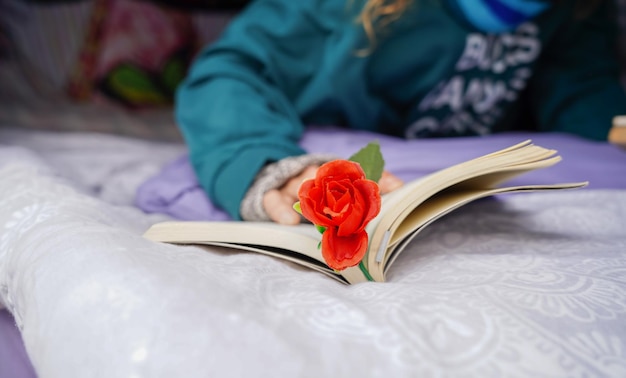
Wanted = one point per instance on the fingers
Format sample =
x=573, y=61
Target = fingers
x=389, y=182
x=279, y=207
x=292, y=186
x=278, y=203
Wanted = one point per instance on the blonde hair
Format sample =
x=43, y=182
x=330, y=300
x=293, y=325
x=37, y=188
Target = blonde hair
x=377, y=14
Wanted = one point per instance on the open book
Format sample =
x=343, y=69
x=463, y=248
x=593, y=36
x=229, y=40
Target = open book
x=403, y=214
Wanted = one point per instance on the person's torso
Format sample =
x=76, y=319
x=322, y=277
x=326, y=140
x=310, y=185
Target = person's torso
x=430, y=74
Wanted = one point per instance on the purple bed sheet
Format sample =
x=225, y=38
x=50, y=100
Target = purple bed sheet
x=14, y=362
x=176, y=192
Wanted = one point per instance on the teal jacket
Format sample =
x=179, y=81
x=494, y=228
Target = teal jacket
x=283, y=64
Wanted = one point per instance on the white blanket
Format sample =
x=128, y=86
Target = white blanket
x=527, y=285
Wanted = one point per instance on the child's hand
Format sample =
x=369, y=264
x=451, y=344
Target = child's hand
x=278, y=203
x=389, y=182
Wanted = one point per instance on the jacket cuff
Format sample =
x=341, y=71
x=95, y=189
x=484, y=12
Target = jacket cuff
x=273, y=176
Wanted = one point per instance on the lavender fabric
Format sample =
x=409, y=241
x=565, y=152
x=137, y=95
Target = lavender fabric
x=175, y=190
x=14, y=362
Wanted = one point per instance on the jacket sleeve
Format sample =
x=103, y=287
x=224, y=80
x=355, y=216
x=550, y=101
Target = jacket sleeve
x=576, y=85
x=236, y=107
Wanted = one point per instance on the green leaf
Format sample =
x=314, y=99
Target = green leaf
x=297, y=208
x=371, y=160
x=320, y=229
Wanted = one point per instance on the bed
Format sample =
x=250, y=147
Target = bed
x=524, y=285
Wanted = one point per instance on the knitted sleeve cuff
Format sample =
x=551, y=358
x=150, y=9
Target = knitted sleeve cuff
x=273, y=176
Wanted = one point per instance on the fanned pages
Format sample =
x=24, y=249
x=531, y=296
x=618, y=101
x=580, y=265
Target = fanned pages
x=404, y=213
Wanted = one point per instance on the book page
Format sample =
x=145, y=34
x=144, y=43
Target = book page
x=444, y=203
x=302, y=238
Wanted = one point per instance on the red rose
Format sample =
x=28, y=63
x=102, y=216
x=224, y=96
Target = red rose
x=341, y=199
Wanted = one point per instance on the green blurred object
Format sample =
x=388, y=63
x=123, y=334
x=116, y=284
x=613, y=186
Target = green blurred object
x=133, y=86
x=137, y=87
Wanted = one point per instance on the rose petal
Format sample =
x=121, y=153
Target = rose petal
x=340, y=169
x=341, y=252
x=370, y=190
x=340, y=196
x=365, y=207
x=312, y=208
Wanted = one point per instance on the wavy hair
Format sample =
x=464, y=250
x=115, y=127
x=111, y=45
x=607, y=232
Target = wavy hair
x=377, y=14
